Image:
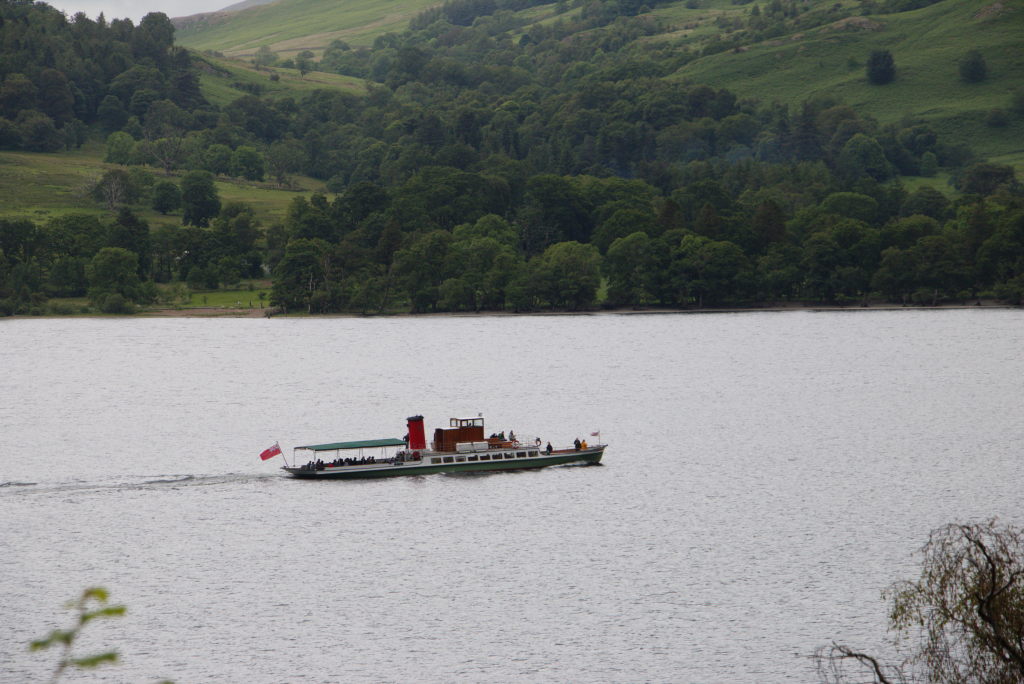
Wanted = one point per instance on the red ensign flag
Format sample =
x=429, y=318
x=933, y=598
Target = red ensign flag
x=271, y=452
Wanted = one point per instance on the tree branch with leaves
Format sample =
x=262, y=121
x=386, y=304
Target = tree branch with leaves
x=92, y=604
x=965, y=613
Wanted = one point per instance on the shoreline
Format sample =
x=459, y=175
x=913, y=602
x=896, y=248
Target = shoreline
x=214, y=312
x=225, y=312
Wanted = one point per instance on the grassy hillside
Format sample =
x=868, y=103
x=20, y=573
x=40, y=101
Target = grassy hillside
x=926, y=45
x=289, y=26
x=42, y=186
x=827, y=61
x=223, y=80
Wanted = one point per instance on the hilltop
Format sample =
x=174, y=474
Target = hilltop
x=291, y=26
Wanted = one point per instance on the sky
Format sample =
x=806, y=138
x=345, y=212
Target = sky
x=134, y=10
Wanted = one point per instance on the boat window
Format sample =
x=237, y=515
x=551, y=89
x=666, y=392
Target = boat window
x=472, y=458
x=485, y=457
x=435, y=459
x=460, y=459
x=448, y=459
x=520, y=454
x=510, y=455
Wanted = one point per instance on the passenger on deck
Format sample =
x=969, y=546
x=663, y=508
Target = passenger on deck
x=511, y=436
x=584, y=445
x=549, y=447
x=577, y=444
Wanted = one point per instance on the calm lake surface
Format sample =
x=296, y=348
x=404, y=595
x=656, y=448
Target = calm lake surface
x=768, y=475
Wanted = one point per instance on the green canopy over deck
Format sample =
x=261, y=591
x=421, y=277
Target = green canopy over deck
x=364, y=444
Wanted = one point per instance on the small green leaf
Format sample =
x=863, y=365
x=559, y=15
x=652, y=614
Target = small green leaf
x=98, y=593
x=95, y=660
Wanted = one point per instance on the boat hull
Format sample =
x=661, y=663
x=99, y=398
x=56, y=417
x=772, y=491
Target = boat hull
x=591, y=456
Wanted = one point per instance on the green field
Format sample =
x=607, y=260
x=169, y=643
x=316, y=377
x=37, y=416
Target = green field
x=289, y=27
x=223, y=80
x=245, y=295
x=41, y=186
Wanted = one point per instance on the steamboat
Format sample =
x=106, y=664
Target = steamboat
x=461, y=447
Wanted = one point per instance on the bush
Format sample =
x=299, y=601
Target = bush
x=61, y=309
x=114, y=303
x=881, y=68
x=1017, y=102
x=997, y=118
x=166, y=197
x=929, y=164
x=972, y=67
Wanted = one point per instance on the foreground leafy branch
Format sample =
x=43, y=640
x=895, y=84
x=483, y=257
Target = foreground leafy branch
x=92, y=604
x=965, y=613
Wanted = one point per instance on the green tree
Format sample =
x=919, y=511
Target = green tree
x=929, y=164
x=778, y=272
x=132, y=233
x=67, y=276
x=114, y=270
x=421, y=268
x=264, y=57
x=166, y=197
x=972, y=67
x=984, y=178
x=303, y=271
x=120, y=149
x=37, y=132
x=628, y=264
x=553, y=211
x=54, y=96
x=111, y=114
x=621, y=223
x=852, y=205
x=17, y=94
x=881, y=68
x=284, y=157
x=115, y=188
x=926, y=201
x=199, y=198
x=712, y=271
x=304, y=63
x=768, y=224
x=863, y=156
x=568, y=275
x=247, y=163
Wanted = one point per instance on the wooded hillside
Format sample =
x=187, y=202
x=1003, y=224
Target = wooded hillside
x=511, y=154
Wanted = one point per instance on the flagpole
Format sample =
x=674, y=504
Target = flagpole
x=285, y=458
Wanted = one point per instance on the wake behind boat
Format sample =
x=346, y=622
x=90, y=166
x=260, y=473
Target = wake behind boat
x=461, y=447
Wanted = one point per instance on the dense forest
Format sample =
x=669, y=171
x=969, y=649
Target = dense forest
x=488, y=168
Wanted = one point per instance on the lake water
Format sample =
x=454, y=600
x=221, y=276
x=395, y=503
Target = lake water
x=768, y=475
